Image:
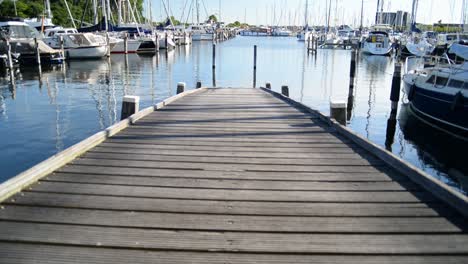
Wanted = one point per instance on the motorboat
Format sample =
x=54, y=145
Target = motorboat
x=256, y=32
x=76, y=45
x=23, y=39
x=377, y=42
x=417, y=46
x=201, y=32
x=281, y=32
x=440, y=93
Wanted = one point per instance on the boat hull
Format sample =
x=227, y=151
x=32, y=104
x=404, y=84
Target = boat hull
x=202, y=37
x=132, y=47
x=96, y=52
x=439, y=109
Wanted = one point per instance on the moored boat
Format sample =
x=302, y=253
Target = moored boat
x=440, y=93
x=23, y=38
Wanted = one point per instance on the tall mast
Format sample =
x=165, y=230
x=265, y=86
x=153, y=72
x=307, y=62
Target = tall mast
x=377, y=12
x=69, y=13
x=306, y=16
x=198, y=12
x=95, y=12
x=413, y=14
x=119, y=12
x=47, y=6
x=362, y=15
x=328, y=16
x=219, y=11
x=464, y=15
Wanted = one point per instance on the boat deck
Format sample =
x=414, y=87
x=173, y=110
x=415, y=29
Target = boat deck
x=229, y=176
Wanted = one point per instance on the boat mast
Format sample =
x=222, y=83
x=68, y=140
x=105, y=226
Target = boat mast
x=119, y=12
x=95, y=11
x=328, y=16
x=47, y=6
x=413, y=14
x=464, y=15
x=69, y=13
x=104, y=16
x=362, y=16
x=198, y=12
x=377, y=13
x=306, y=16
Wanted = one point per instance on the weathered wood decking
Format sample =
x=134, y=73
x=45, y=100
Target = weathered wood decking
x=229, y=176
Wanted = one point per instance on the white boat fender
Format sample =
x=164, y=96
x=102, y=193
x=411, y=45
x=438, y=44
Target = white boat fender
x=411, y=92
x=458, y=101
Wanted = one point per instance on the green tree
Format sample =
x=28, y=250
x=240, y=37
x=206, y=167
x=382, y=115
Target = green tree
x=35, y=8
x=213, y=18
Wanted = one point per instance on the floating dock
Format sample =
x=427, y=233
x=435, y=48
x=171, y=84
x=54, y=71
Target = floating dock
x=229, y=176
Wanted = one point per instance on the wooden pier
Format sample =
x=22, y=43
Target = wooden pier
x=232, y=176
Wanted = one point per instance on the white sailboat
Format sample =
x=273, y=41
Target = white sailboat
x=305, y=34
x=201, y=31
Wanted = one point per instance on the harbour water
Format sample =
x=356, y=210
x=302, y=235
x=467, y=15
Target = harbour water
x=45, y=113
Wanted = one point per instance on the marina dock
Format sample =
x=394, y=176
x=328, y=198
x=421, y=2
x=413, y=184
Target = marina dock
x=230, y=176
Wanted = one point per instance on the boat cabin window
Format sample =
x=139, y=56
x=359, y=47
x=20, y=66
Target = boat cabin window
x=16, y=31
x=441, y=81
x=456, y=83
x=431, y=80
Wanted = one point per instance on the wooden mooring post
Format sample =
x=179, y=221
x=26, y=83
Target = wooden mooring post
x=126, y=43
x=338, y=111
x=255, y=67
x=108, y=53
x=199, y=85
x=130, y=106
x=214, y=55
x=181, y=87
x=396, y=87
x=285, y=90
x=9, y=56
x=38, y=52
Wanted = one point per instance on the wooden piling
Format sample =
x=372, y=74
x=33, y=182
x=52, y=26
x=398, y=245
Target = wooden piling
x=352, y=72
x=199, y=85
x=38, y=52
x=167, y=41
x=255, y=67
x=338, y=111
x=214, y=56
x=181, y=87
x=9, y=57
x=396, y=86
x=126, y=43
x=130, y=106
x=108, y=53
x=62, y=48
x=285, y=90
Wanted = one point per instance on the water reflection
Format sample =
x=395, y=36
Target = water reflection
x=436, y=149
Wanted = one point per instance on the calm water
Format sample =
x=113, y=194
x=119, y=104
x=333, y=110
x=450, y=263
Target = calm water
x=44, y=114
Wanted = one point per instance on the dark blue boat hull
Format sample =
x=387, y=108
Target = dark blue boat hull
x=443, y=110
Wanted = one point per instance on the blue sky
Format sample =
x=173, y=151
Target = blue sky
x=348, y=11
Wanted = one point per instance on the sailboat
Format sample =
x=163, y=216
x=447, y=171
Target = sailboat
x=44, y=22
x=378, y=41
x=416, y=44
x=201, y=31
x=305, y=34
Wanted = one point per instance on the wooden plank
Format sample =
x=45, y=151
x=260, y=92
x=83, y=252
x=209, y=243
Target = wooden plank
x=234, y=160
x=233, y=241
x=336, y=166
x=329, y=209
x=240, y=223
x=232, y=184
x=55, y=254
x=233, y=195
x=250, y=175
x=223, y=154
